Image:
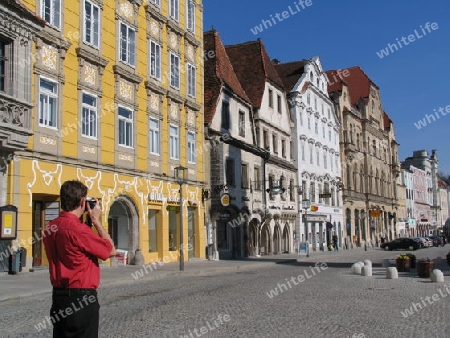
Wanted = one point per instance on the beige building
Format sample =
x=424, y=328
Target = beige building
x=369, y=156
x=443, y=191
x=401, y=225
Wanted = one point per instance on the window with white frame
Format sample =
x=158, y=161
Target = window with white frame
x=241, y=123
x=317, y=157
x=154, y=136
x=157, y=3
x=51, y=12
x=190, y=17
x=48, y=103
x=191, y=147
x=325, y=159
x=303, y=151
x=311, y=155
x=279, y=108
x=174, y=9
x=323, y=131
x=174, y=71
x=275, y=143
x=316, y=127
x=127, y=44
x=244, y=176
x=191, y=88
x=125, y=127
x=174, y=142
x=89, y=115
x=155, y=60
x=91, y=24
x=309, y=123
x=270, y=98
x=331, y=162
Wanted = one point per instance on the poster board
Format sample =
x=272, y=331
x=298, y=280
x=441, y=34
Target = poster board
x=8, y=222
x=303, y=249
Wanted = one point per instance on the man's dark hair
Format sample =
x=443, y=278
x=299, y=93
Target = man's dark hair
x=71, y=194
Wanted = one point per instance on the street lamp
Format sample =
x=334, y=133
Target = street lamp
x=181, y=178
x=306, y=204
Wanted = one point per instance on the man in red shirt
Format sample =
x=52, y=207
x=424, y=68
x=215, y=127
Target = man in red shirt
x=73, y=250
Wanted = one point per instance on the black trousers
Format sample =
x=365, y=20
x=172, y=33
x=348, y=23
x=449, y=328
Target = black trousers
x=75, y=313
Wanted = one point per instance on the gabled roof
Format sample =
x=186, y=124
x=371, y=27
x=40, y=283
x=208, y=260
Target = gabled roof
x=218, y=73
x=290, y=73
x=25, y=11
x=358, y=83
x=335, y=81
x=253, y=68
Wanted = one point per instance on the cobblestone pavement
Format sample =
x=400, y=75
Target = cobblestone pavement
x=320, y=303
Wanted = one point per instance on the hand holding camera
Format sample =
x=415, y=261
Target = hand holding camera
x=93, y=209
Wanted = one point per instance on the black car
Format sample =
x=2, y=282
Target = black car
x=401, y=244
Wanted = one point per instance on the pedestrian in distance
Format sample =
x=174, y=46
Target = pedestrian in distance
x=335, y=242
x=73, y=250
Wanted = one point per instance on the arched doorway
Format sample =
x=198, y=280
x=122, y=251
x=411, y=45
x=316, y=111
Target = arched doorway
x=276, y=239
x=253, y=238
x=123, y=226
x=286, y=243
x=265, y=246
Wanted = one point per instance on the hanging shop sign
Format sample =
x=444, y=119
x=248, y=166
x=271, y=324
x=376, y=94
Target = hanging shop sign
x=225, y=200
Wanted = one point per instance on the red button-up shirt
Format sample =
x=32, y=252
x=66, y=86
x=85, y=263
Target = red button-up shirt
x=73, y=250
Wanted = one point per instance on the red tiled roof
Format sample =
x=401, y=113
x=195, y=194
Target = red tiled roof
x=335, y=81
x=290, y=73
x=358, y=83
x=442, y=184
x=387, y=122
x=218, y=72
x=253, y=68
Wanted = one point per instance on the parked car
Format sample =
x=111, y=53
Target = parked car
x=437, y=241
x=421, y=241
x=401, y=244
x=429, y=242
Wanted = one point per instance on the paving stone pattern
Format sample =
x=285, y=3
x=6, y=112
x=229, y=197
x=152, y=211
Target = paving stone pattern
x=333, y=303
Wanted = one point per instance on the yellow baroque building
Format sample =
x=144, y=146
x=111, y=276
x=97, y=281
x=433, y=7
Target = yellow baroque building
x=117, y=93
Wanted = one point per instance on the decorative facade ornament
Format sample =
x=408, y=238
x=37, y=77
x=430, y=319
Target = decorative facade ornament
x=174, y=111
x=126, y=9
x=90, y=74
x=190, y=52
x=190, y=118
x=126, y=90
x=154, y=28
x=13, y=113
x=154, y=102
x=49, y=57
x=173, y=40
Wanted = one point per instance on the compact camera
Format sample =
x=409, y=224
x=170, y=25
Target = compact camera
x=92, y=202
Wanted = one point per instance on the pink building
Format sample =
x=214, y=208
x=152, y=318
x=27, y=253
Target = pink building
x=421, y=185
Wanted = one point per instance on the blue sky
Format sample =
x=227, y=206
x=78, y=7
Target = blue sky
x=414, y=80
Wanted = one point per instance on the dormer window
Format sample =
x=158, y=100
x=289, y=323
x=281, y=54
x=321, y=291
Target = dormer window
x=311, y=77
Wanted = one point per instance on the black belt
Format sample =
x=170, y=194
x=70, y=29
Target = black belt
x=73, y=291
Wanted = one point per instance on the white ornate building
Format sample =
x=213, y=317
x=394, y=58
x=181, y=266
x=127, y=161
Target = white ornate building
x=273, y=231
x=316, y=150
